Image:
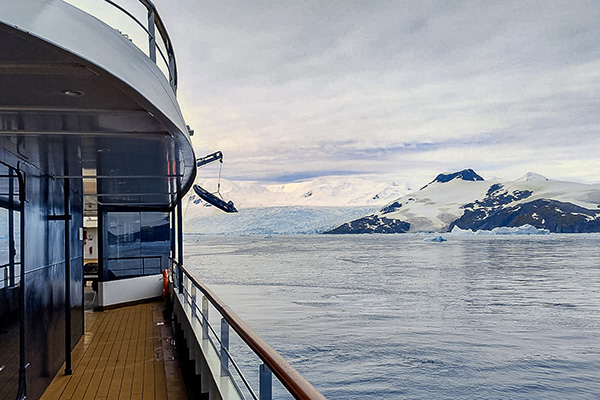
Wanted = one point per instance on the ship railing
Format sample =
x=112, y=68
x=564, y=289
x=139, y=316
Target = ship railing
x=153, y=28
x=8, y=276
x=4, y=276
x=141, y=268
x=197, y=297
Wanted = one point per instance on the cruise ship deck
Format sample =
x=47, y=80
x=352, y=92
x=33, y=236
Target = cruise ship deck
x=96, y=160
x=125, y=353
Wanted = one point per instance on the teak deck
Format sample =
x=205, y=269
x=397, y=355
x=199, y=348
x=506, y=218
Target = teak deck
x=122, y=356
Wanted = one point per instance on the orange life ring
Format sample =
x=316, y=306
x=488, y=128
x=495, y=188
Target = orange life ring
x=165, y=283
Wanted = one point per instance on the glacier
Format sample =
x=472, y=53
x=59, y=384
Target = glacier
x=284, y=220
x=304, y=207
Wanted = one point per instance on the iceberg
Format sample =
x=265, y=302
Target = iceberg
x=515, y=230
x=437, y=239
x=503, y=230
x=461, y=232
x=519, y=230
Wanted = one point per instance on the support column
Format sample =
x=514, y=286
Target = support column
x=179, y=233
x=173, y=235
x=179, y=245
x=67, y=206
x=22, y=394
x=11, y=230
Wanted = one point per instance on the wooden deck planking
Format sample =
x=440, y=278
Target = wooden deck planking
x=63, y=386
x=119, y=357
x=9, y=340
x=93, y=365
x=95, y=382
x=120, y=362
x=127, y=360
x=109, y=369
x=158, y=372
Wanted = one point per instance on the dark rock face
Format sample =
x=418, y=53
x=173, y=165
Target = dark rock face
x=487, y=211
x=390, y=208
x=497, y=196
x=556, y=216
x=465, y=175
x=372, y=224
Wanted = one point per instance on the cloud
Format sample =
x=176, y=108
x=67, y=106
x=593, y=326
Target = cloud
x=293, y=89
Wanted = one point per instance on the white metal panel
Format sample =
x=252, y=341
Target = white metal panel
x=129, y=290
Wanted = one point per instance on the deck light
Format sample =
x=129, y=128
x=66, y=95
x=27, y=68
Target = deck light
x=74, y=93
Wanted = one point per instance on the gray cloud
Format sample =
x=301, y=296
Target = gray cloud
x=391, y=87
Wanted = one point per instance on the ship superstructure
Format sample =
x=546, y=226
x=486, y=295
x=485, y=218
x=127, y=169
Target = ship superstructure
x=90, y=129
x=89, y=125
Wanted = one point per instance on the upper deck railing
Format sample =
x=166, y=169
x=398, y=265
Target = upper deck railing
x=154, y=29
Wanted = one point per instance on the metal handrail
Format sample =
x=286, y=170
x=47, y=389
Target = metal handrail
x=204, y=320
x=162, y=30
x=155, y=21
x=295, y=383
x=7, y=276
x=142, y=268
x=8, y=264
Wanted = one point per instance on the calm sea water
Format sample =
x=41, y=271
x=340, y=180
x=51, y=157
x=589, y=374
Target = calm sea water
x=396, y=317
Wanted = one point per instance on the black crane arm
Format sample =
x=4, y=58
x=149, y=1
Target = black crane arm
x=216, y=156
x=205, y=194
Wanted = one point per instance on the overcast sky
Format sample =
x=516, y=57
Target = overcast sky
x=406, y=89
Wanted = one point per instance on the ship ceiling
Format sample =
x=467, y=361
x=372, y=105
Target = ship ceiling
x=127, y=150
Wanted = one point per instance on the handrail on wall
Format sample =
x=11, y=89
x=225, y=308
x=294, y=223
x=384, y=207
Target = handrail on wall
x=295, y=383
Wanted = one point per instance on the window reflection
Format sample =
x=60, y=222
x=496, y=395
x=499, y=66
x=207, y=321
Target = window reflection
x=137, y=244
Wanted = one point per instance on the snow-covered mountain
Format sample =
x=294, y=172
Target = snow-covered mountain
x=310, y=206
x=464, y=200
x=325, y=191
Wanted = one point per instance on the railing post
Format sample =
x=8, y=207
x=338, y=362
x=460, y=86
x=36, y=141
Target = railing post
x=185, y=290
x=193, y=302
x=224, y=347
x=179, y=279
x=265, y=380
x=172, y=80
x=151, y=37
x=205, y=317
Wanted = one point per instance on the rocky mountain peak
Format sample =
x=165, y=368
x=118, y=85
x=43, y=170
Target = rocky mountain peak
x=465, y=175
